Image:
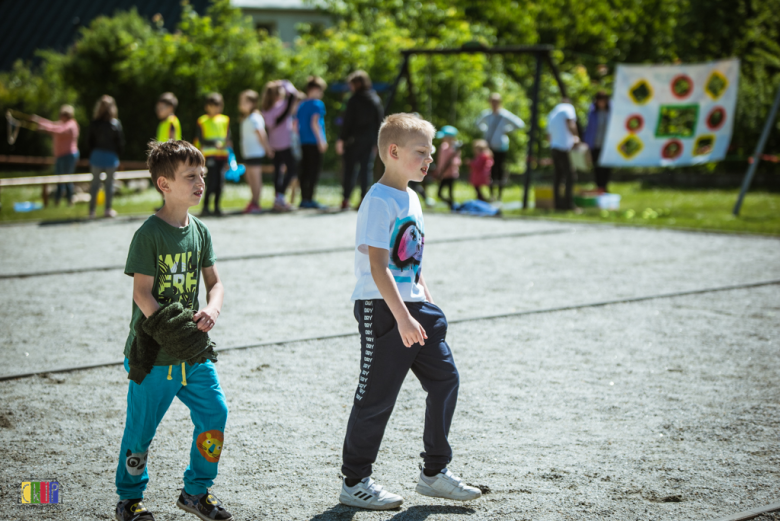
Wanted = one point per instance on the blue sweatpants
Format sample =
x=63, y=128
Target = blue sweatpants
x=384, y=363
x=197, y=386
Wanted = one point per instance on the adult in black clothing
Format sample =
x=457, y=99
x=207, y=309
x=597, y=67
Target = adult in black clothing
x=106, y=141
x=359, y=133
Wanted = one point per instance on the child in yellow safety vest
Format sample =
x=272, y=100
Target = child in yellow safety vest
x=169, y=127
x=213, y=140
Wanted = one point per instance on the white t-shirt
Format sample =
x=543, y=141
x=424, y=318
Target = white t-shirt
x=560, y=137
x=392, y=220
x=250, y=143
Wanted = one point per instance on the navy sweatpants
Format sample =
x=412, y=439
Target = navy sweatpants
x=384, y=363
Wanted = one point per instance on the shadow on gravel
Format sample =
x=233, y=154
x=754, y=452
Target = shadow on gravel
x=414, y=513
x=421, y=512
x=338, y=512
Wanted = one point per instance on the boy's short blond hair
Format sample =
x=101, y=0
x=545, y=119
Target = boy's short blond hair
x=164, y=158
x=398, y=129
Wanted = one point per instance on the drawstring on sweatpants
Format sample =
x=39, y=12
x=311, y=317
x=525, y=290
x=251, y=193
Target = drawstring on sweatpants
x=183, y=374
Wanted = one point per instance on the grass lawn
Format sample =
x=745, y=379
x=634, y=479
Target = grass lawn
x=675, y=208
x=657, y=207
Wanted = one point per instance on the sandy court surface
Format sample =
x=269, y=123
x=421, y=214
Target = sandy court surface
x=664, y=409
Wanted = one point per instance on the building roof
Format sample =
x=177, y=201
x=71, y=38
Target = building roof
x=29, y=25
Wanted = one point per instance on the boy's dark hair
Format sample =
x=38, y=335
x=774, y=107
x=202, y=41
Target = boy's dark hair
x=169, y=98
x=163, y=158
x=315, y=82
x=215, y=98
x=360, y=80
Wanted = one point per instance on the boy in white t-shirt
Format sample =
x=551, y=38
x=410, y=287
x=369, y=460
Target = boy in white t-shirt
x=400, y=326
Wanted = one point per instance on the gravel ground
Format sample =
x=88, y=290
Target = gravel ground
x=657, y=410
x=266, y=297
x=664, y=409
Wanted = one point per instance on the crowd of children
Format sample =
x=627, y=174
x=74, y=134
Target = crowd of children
x=285, y=128
x=401, y=329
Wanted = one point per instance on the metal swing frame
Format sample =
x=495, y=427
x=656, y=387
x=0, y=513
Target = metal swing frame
x=541, y=53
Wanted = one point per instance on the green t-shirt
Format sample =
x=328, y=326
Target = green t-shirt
x=174, y=257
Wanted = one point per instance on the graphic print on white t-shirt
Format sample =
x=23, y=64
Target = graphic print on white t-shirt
x=408, y=241
x=392, y=220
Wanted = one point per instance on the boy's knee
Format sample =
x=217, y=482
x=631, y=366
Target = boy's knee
x=455, y=380
x=221, y=412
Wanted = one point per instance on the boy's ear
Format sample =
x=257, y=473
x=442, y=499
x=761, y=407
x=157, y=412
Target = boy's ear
x=163, y=184
x=392, y=151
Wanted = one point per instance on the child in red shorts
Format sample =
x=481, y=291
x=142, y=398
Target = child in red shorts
x=480, y=167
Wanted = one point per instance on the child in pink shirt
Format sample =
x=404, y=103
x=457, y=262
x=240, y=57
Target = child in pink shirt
x=277, y=106
x=480, y=167
x=66, y=150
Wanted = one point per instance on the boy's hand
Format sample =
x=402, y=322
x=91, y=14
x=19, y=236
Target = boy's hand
x=206, y=318
x=411, y=332
x=323, y=146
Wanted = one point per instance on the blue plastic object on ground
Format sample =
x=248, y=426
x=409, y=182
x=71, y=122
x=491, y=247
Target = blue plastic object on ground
x=476, y=207
x=27, y=206
x=234, y=171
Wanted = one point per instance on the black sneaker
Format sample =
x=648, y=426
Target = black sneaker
x=205, y=506
x=132, y=510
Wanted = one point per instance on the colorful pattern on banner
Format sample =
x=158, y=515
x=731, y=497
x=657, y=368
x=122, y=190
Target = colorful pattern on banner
x=671, y=115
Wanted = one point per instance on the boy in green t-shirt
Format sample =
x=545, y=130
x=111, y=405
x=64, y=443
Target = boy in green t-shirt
x=167, y=256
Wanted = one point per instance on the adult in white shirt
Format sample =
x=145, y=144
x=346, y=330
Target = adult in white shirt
x=496, y=122
x=563, y=135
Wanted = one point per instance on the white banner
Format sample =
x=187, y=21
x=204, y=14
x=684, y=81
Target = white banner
x=671, y=115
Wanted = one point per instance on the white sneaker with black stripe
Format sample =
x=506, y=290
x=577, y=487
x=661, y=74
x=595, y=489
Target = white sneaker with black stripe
x=446, y=485
x=367, y=494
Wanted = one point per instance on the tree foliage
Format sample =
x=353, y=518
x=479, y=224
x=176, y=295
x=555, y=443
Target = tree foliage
x=135, y=60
